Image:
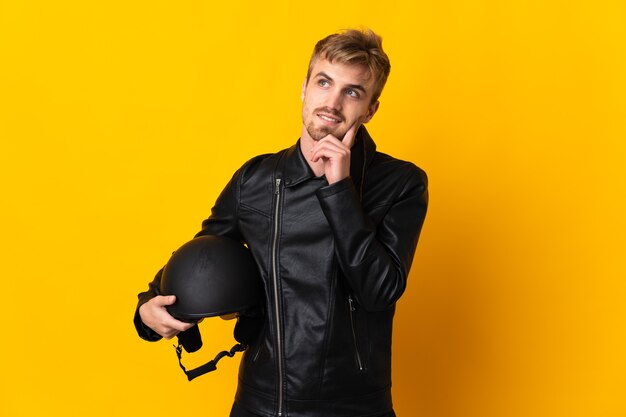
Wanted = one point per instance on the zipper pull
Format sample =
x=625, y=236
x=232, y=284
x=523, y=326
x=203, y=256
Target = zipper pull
x=277, y=190
x=352, y=308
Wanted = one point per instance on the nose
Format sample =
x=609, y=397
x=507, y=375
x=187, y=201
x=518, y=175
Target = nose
x=334, y=100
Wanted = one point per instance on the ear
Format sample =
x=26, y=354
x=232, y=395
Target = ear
x=371, y=111
x=303, y=89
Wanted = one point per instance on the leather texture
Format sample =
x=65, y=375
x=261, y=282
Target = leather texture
x=334, y=260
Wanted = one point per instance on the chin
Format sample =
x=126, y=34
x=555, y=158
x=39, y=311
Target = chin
x=318, y=134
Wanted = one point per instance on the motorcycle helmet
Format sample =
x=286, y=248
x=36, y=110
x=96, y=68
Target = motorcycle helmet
x=213, y=276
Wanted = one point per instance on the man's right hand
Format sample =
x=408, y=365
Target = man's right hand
x=154, y=315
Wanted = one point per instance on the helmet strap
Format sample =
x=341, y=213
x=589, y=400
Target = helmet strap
x=209, y=366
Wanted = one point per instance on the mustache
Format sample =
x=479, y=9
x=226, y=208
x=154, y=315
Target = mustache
x=330, y=111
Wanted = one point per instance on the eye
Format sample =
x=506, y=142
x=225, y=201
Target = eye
x=352, y=93
x=323, y=83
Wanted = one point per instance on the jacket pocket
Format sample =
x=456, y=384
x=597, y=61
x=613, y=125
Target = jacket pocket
x=358, y=355
x=255, y=349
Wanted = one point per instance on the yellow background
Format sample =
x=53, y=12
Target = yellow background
x=120, y=122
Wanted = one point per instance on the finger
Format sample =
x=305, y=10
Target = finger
x=348, y=138
x=170, y=335
x=171, y=332
x=331, y=144
x=180, y=326
x=164, y=300
x=328, y=153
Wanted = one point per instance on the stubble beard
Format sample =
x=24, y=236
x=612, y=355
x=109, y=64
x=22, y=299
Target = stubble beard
x=319, y=133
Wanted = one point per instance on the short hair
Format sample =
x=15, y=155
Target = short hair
x=355, y=47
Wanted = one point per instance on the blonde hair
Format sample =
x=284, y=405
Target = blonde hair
x=355, y=47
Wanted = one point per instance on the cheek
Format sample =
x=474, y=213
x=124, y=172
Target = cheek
x=359, y=112
x=310, y=105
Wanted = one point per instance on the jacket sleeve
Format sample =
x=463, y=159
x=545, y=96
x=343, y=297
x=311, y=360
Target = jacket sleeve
x=376, y=259
x=223, y=221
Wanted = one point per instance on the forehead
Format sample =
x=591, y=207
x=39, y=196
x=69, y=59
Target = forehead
x=348, y=74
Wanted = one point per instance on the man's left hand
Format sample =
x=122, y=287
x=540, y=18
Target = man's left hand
x=335, y=154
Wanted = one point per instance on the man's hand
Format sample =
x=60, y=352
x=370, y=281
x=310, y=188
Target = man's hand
x=335, y=154
x=155, y=316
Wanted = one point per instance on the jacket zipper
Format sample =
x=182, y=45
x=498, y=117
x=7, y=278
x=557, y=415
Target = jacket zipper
x=279, y=344
x=356, y=345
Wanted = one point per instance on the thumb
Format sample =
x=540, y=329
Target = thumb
x=167, y=300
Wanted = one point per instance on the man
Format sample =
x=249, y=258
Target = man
x=333, y=226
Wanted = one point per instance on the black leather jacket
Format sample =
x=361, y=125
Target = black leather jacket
x=334, y=260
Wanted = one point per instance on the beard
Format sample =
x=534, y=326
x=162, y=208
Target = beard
x=319, y=132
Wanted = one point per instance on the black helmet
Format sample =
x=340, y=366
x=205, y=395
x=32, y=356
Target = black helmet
x=213, y=276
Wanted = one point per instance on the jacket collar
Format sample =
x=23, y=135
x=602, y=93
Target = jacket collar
x=296, y=169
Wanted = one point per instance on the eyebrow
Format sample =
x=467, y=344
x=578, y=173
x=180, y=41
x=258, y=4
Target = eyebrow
x=354, y=86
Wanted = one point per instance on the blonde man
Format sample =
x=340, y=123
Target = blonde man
x=333, y=225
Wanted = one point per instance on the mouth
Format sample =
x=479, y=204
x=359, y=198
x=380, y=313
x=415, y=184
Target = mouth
x=328, y=118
